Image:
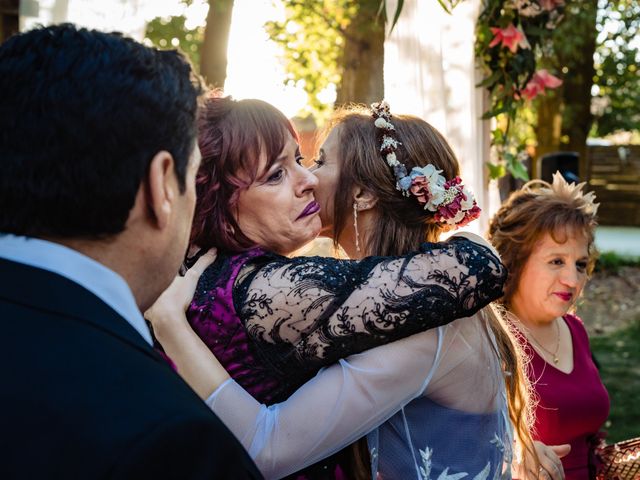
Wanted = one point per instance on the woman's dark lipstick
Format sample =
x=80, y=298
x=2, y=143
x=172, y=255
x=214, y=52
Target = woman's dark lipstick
x=310, y=209
x=566, y=296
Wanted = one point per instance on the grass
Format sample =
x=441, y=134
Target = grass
x=619, y=356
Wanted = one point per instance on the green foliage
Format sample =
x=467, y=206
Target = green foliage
x=617, y=62
x=312, y=41
x=171, y=32
x=507, y=73
x=619, y=357
x=313, y=37
x=611, y=262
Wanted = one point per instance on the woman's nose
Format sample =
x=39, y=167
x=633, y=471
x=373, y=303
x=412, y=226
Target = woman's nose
x=571, y=277
x=306, y=180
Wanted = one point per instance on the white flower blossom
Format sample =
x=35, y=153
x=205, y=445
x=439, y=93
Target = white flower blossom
x=468, y=203
x=438, y=195
x=381, y=122
x=392, y=160
x=389, y=142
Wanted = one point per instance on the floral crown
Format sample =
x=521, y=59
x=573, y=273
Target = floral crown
x=451, y=201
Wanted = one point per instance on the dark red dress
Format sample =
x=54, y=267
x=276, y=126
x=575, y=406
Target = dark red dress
x=572, y=406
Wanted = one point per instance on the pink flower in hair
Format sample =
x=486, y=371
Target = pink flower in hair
x=420, y=188
x=470, y=215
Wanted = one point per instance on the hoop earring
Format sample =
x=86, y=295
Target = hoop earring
x=355, y=225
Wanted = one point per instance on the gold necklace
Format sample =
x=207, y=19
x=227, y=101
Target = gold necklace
x=554, y=354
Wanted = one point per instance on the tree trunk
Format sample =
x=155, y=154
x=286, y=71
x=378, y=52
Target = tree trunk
x=362, y=61
x=576, y=92
x=549, y=126
x=213, y=54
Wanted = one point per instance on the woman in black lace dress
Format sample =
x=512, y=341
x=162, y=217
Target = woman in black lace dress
x=272, y=320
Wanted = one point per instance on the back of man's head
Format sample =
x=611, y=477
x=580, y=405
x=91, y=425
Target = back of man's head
x=82, y=114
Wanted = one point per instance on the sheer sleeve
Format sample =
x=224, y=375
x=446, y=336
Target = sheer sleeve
x=339, y=405
x=308, y=312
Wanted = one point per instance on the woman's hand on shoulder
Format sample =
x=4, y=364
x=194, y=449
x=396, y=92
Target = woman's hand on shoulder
x=169, y=309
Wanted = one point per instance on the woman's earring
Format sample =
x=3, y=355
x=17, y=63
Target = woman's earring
x=355, y=225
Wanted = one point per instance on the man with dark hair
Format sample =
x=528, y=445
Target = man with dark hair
x=97, y=192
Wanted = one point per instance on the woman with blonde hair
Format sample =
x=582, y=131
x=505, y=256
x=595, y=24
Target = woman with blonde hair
x=545, y=235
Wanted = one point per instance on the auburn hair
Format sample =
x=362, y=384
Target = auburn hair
x=232, y=135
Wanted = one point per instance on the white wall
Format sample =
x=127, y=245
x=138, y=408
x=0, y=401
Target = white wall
x=430, y=72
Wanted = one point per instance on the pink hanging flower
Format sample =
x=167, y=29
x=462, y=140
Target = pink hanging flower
x=510, y=37
x=540, y=81
x=549, y=5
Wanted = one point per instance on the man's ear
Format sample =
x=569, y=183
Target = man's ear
x=162, y=188
x=364, y=199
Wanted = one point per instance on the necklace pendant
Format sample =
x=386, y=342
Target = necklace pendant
x=556, y=360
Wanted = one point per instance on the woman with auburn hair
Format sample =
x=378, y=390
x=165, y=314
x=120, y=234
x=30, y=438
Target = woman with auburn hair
x=545, y=235
x=453, y=373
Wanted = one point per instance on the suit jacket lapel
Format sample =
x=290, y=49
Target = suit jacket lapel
x=53, y=293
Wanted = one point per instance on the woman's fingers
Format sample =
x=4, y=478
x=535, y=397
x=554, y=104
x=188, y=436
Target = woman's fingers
x=550, y=462
x=175, y=300
x=561, y=450
x=203, y=263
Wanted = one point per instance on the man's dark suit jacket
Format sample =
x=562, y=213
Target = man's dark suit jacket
x=83, y=396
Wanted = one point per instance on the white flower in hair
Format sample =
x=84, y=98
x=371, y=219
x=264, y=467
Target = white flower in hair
x=438, y=195
x=381, y=123
x=389, y=142
x=431, y=173
x=468, y=203
x=392, y=160
x=458, y=218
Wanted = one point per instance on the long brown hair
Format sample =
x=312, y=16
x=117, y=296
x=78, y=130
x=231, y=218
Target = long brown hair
x=402, y=224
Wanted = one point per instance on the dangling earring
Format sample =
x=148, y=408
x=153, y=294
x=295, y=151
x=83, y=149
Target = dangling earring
x=355, y=225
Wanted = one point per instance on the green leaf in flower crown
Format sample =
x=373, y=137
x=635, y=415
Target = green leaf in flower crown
x=496, y=171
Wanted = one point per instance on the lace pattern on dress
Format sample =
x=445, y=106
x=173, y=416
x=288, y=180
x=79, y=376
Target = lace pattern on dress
x=308, y=312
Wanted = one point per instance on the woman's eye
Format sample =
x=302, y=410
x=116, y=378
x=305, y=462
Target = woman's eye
x=581, y=266
x=556, y=261
x=275, y=176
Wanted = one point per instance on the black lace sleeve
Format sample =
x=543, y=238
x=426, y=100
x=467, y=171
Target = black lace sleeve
x=309, y=312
